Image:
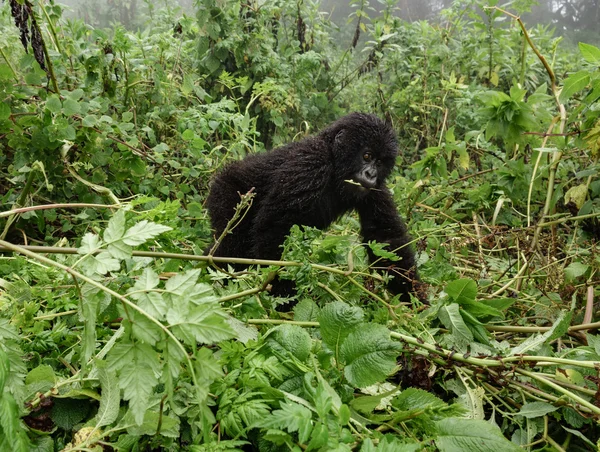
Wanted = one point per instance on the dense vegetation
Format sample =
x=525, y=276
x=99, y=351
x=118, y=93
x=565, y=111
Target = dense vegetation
x=115, y=332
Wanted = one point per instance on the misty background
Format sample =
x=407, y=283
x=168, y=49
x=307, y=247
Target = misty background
x=576, y=20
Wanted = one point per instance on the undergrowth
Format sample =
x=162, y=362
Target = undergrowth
x=117, y=333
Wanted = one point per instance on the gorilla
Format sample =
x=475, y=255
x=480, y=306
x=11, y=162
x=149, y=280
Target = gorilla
x=313, y=182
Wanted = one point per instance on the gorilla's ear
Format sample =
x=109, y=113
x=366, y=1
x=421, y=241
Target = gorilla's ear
x=339, y=141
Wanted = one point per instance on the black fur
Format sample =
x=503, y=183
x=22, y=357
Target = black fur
x=305, y=183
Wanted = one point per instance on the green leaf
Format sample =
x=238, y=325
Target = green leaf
x=116, y=227
x=473, y=435
x=67, y=413
x=71, y=107
x=89, y=244
x=137, y=382
x=370, y=355
x=143, y=231
x=41, y=373
x=203, y=323
x=111, y=397
x=151, y=302
x=4, y=110
x=590, y=53
x=576, y=269
x=89, y=121
x=53, y=103
x=536, y=409
x=573, y=84
x=450, y=316
x=532, y=343
x=169, y=425
x=336, y=321
x=294, y=418
x=13, y=436
x=294, y=339
x=462, y=290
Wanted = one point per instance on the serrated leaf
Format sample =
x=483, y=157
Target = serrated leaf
x=7, y=331
x=413, y=398
x=456, y=434
x=89, y=244
x=294, y=418
x=203, y=323
x=590, y=53
x=110, y=399
x=536, y=409
x=100, y=264
x=143, y=231
x=462, y=290
x=137, y=382
x=370, y=355
x=336, y=320
x=151, y=302
x=573, y=84
x=115, y=230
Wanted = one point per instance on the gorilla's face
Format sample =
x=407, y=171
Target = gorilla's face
x=364, y=152
x=369, y=171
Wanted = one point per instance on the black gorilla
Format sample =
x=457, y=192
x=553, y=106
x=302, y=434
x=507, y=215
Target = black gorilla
x=313, y=182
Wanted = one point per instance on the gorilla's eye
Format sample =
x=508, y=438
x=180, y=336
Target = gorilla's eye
x=367, y=156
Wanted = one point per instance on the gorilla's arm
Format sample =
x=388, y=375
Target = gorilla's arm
x=380, y=222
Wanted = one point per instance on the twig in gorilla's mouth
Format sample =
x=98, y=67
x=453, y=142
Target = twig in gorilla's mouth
x=353, y=182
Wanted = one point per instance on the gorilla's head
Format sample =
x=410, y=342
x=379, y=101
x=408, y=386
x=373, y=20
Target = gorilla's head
x=364, y=151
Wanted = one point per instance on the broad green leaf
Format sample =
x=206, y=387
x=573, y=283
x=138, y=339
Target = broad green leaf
x=462, y=290
x=573, y=84
x=451, y=318
x=110, y=399
x=169, y=424
x=53, y=103
x=89, y=121
x=143, y=231
x=336, y=320
x=41, y=373
x=71, y=107
x=473, y=435
x=590, y=53
x=412, y=398
x=294, y=339
x=575, y=269
x=536, y=409
x=370, y=355
x=67, y=413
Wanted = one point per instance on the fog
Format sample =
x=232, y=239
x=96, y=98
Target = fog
x=575, y=19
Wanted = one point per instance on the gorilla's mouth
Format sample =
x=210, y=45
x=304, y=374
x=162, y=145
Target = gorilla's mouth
x=361, y=187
